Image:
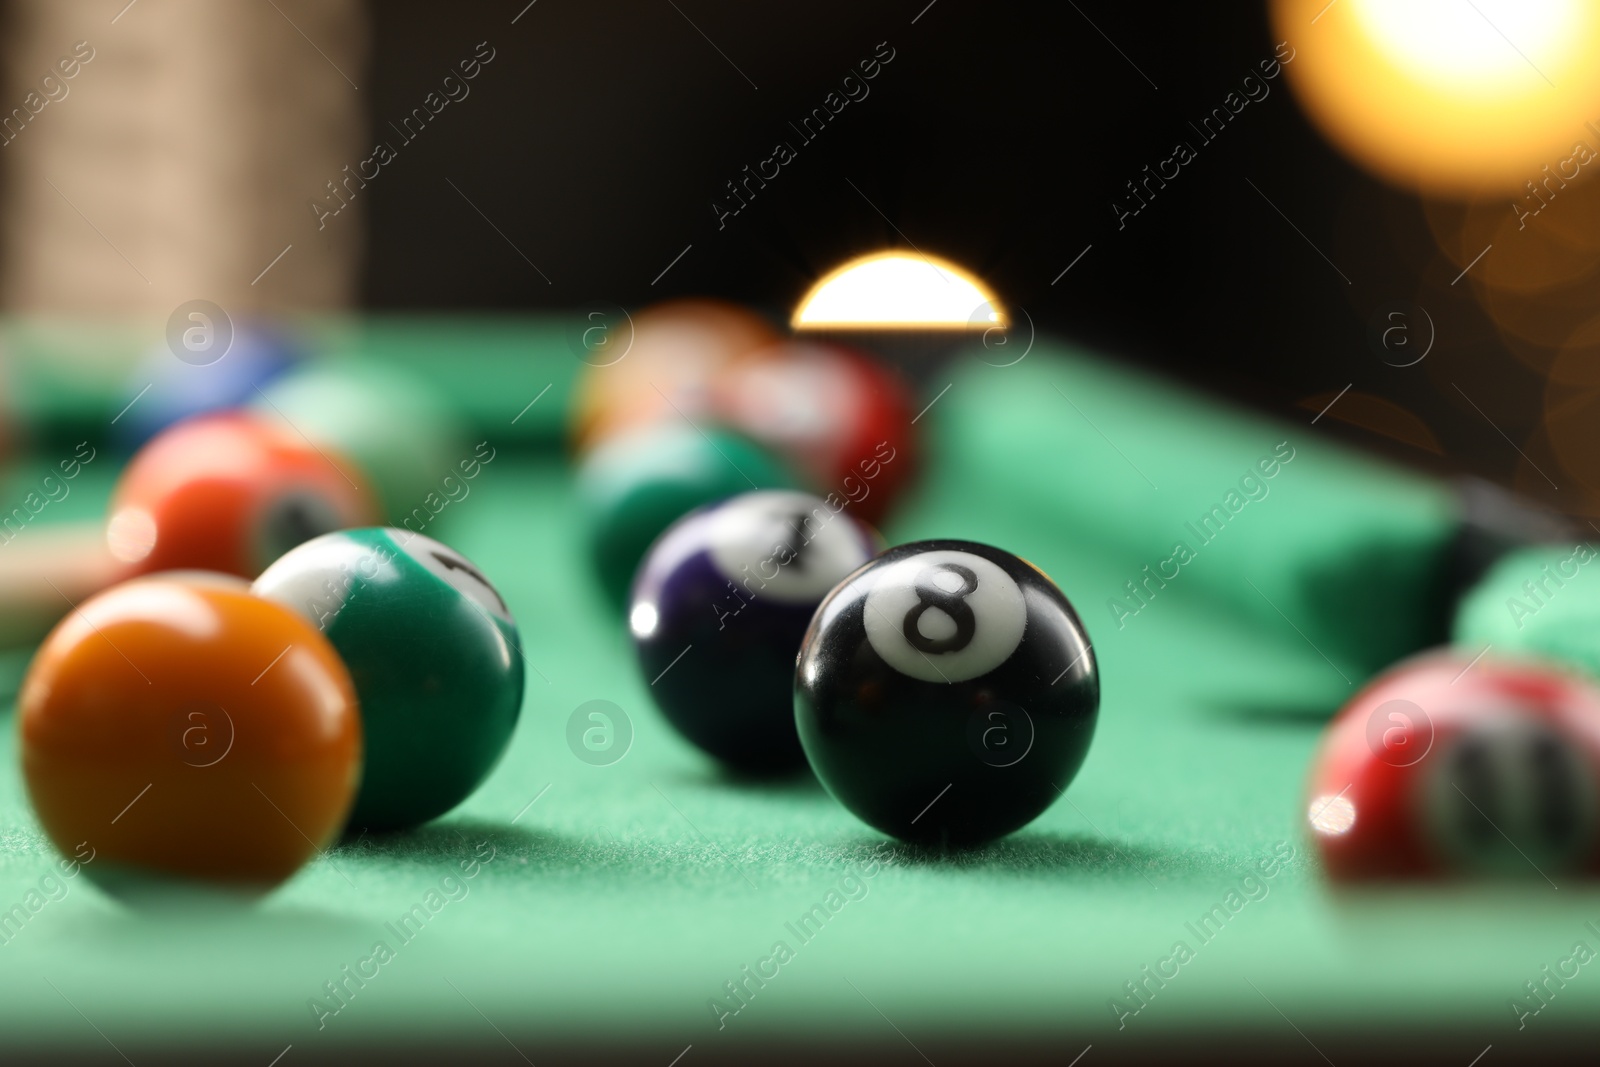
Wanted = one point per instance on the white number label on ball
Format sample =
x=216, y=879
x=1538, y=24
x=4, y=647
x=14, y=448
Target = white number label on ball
x=455, y=570
x=944, y=616
x=1511, y=796
x=784, y=546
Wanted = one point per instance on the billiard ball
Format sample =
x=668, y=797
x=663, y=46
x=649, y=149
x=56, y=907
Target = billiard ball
x=229, y=492
x=1542, y=601
x=946, y=693
x=379, y=416
x=841, y=419
x=185, y=733
x=1446, y=767
x=633, y=486
x=658, y=365
x=221, y=367
x=719, y=607
x=435, y=656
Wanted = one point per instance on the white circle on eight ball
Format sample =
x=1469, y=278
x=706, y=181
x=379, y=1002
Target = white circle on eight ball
x=1510, y=794
x=455, y=570
x=790, y=545
x=944, y=616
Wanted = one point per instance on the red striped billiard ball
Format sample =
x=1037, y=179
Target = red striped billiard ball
x=1445, y=767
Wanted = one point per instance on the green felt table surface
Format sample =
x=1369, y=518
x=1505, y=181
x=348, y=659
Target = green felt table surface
x=620, y=899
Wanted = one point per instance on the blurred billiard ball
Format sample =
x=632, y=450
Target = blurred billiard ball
x=229, y=492
x=182, y=732
x=214, y=366
x=1451, y=766
x=946, y=693
x=658, y=366
x=380, y=417
x=841, y=419
x=633, y=486
x=719, y=607
x=435, y=656
x=1543, y=600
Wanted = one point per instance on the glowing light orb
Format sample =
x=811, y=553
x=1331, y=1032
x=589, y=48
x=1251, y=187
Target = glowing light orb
x=899, y=290
x=1444, y=95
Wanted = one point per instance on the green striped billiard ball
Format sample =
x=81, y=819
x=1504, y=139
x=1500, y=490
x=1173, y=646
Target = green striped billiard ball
x=633, y=486
x=434, y=654
x=383, y=420
x=1541, y=601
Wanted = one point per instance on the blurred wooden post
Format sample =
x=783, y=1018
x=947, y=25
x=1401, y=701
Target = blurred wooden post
x=179, y=160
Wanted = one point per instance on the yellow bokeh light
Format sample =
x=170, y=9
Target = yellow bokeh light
x=1452, y=97
x=1445, y=42
x=899, y=290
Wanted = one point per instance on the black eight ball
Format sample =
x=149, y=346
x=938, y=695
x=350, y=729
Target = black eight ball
x=946, y=692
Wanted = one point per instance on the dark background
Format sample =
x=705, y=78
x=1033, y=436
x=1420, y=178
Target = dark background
x=999, y=136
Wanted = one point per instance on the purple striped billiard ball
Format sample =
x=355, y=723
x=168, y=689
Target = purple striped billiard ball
x=718, y=610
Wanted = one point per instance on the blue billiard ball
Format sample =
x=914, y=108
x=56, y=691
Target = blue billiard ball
x=170, y=385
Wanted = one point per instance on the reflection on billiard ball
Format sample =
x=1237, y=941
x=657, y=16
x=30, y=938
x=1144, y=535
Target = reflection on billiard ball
x=184, y=732
x=435, y=656
x=719, y=608
x=946, y=693
x=1448, y=767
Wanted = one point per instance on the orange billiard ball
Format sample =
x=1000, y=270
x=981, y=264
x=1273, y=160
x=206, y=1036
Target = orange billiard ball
x=659, y=365
x=230, y=493
x=184, y=732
